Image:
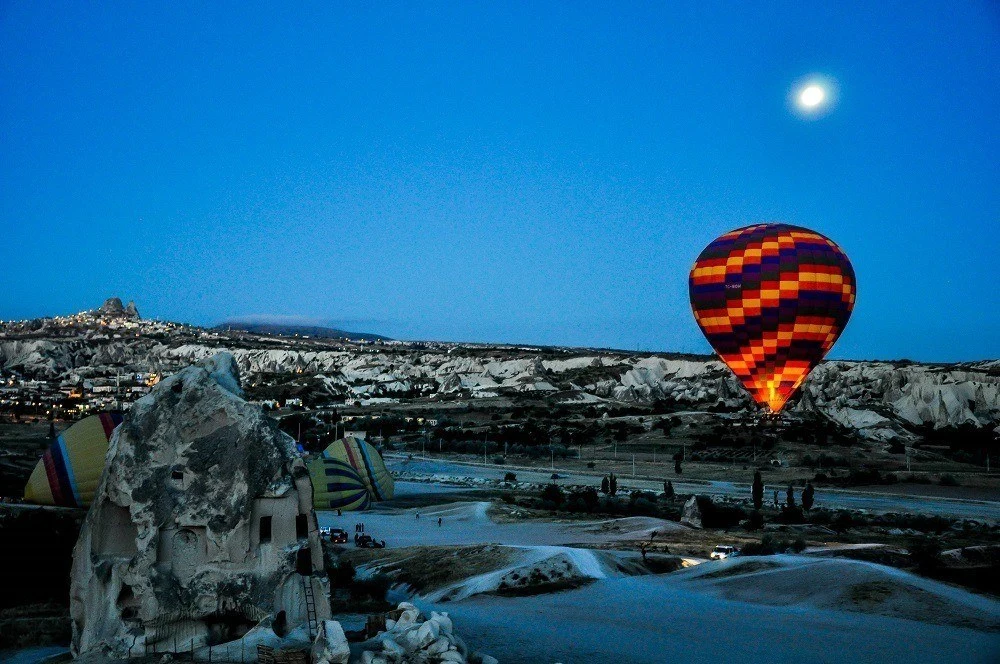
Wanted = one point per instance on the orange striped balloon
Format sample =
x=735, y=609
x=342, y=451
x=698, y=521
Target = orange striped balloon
x=772, y=299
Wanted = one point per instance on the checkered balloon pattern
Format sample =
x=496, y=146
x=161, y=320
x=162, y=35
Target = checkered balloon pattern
x=772, y=299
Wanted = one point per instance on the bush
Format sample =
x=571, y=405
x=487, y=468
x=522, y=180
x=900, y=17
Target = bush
x=552, y=494
x=765, y=547
x=719, y=516
x=499, y=460
x=926, y=553
x=509, y=477
x=948, y=480
x=643, y=506
x=842, y=521
x=769, y=546
x=342, y=575
x=375, y=587
x=587, y=498
x=790, y=515
x=756, y=521
x=507, y=497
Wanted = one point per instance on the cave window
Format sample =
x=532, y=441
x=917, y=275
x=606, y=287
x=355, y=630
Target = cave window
x=301, y=526
x=265, y=529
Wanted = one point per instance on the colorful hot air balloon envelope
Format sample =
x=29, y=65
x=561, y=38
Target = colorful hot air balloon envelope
x=772, y=299
x=349, y=475
x=68, y=473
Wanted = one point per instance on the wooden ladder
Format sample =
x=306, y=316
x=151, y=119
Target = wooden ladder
x=310, y=606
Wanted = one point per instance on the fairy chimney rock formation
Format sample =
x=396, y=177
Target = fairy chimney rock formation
x=202, y=525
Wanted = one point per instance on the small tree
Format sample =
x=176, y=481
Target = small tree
x=808, y=495
x=613, y=485
x=605, y=486
x=668, y=490
x=757, y=491
x=790, y=500
x=677, y=466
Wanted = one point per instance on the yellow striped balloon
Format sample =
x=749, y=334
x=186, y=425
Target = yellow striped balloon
x=350, y=475
x=68, y=473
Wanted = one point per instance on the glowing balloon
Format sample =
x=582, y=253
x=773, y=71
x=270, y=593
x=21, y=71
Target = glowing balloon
x=349, y=475
x=69, y=471
x=772, y=299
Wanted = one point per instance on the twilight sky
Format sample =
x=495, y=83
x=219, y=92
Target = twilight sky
x=517, y=172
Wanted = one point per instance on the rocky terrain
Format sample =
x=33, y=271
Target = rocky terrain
x=880, y=401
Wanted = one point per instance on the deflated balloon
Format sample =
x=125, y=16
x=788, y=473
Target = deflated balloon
x=772, y=299
x=68, y=473
x=349, y=475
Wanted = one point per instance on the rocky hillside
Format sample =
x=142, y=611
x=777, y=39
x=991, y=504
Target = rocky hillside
x=880, y=400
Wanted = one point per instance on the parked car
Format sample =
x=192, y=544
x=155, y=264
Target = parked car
x=337, y=535
x=368, y=542
x=722, y=552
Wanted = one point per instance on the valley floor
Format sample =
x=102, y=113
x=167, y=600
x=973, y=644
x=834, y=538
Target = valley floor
x=774, y=609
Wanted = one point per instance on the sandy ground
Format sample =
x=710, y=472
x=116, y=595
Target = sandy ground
x=663, y=619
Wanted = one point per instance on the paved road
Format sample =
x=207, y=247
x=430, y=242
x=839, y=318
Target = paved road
x=959, y=508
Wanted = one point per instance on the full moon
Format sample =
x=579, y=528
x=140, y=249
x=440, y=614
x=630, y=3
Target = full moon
x=811, y=96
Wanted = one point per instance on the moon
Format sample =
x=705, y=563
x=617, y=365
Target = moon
x=811, y=96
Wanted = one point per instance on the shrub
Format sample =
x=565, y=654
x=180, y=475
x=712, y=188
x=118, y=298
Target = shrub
x=719, y=516
x=588, y=499
x=643, y=506
x=341, y=575
x=756, y=520
x=926, y=553
x=499, y=460
x=375, y=587
x=552, y=494
x=509, y=477
x=842, y=521
x=948, y=480
x=790, y=515
x=507, y=497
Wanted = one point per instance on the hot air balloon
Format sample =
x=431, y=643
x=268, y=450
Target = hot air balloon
x=772, y=299
x=349, y=475
x=68, y=473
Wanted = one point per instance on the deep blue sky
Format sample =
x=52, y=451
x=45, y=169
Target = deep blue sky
x=541, y=173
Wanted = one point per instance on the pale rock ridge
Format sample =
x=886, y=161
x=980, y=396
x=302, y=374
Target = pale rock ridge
x=909, y=395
